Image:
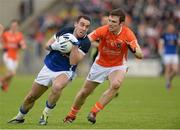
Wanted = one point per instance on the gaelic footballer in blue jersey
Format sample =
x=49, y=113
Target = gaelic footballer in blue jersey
x=168, y=49
x=58, y=70
x=57, y=65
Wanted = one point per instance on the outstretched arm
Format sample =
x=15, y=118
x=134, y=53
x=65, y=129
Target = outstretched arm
x=94, y=43
x=138, y=52
x=135, y=48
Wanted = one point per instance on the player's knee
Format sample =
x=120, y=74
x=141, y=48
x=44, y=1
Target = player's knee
x=57, y=87
x=12, y=72
x=116, y=84
x=56, y=91
x=175, y=70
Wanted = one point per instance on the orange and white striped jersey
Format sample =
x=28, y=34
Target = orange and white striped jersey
x=113, y=49
x=12, y=42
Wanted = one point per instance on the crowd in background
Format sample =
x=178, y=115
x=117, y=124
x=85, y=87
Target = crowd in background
x=147, y=18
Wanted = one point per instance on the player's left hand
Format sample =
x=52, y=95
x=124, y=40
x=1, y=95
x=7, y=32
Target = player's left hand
x=72, y=38
x=132, y=46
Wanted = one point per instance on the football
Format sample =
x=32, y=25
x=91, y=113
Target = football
x=66, y=44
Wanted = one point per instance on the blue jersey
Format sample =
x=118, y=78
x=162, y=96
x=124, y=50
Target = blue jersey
x=170, y=43
x=57, y=61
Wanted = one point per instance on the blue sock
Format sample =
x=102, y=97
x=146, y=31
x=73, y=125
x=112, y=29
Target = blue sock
x=50, y=106
x=22, y=110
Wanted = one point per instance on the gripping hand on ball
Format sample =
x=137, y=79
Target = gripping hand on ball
x=56, y=46
x=72, y=38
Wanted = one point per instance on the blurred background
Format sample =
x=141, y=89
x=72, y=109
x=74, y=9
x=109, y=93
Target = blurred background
x=40, y=19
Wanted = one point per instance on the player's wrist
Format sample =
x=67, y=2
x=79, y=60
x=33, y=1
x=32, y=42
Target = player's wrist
x=76, y=43
x=139, y=53
x=50, y=48
x=53, y=46
x=133, y=50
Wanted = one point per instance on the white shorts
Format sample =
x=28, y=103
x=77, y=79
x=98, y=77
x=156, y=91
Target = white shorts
x=10, y=64
x=100, y=74
x=46, y=76
x=170, y=59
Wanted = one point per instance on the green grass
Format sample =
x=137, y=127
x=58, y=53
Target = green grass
x=142, y=103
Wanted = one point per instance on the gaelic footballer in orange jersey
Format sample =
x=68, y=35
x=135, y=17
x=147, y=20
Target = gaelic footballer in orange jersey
x=12, y=41
x=113, y=48
x=115, y=41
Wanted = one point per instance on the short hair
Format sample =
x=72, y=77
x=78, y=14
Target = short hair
x=118, y=12
x=83, y=16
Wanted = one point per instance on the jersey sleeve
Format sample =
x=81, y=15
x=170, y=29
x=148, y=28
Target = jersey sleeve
x=85, y=45
x=3, y=37
x=98, y=33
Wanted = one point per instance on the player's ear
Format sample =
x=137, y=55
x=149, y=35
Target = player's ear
x=121, y=23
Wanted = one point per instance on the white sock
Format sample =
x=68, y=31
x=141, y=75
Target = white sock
x=47, y=110
x=20, y=116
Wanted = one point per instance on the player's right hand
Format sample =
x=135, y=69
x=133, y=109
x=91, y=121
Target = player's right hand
x=56, y=45
x=72, y=38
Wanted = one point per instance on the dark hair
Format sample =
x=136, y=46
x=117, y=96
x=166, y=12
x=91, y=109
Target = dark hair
x=118, y=12
x=83, y=16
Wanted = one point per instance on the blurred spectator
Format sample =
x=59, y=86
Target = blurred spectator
x=13, y=40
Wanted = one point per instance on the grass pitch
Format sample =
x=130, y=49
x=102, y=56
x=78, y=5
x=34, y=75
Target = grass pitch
x=143, y=103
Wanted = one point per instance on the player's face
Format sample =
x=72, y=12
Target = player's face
x=81, y=27
x=14, y=26
x=114, y=24
x=170, y=28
